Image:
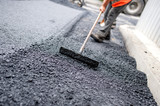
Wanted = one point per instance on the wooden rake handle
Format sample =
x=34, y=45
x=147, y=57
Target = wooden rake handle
x=89, y=34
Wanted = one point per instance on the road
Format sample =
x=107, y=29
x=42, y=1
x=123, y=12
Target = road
x=40, y=76
x=23, y=23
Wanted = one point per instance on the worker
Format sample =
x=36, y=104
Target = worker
x=117, y=7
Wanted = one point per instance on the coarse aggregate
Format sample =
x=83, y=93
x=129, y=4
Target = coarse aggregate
x=34, y=77
x=41, y=76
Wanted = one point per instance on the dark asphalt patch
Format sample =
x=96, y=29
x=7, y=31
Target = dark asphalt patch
x=33, y=77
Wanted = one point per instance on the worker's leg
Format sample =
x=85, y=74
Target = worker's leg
x=109, y=6
x=105, y=31
x=113, y=14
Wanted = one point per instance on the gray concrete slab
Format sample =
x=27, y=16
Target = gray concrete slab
x=142, y=49
x=23, y=23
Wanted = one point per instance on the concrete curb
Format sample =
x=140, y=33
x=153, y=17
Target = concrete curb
x=146, y=62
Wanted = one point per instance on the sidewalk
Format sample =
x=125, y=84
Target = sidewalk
x=147, y=57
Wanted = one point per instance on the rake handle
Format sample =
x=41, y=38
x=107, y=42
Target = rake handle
x=89, y=34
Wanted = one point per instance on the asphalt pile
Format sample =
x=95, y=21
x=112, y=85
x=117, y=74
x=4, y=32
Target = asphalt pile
x=41, y=76
x=34, y=77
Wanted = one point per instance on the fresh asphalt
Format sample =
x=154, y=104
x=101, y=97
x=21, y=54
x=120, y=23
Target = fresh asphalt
x=40, y=76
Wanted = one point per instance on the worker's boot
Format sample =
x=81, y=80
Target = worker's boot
x=100, y=36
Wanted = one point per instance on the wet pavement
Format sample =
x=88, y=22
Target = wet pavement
x=41, y=76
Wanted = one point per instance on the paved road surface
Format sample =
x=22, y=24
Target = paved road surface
x=23, y=23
